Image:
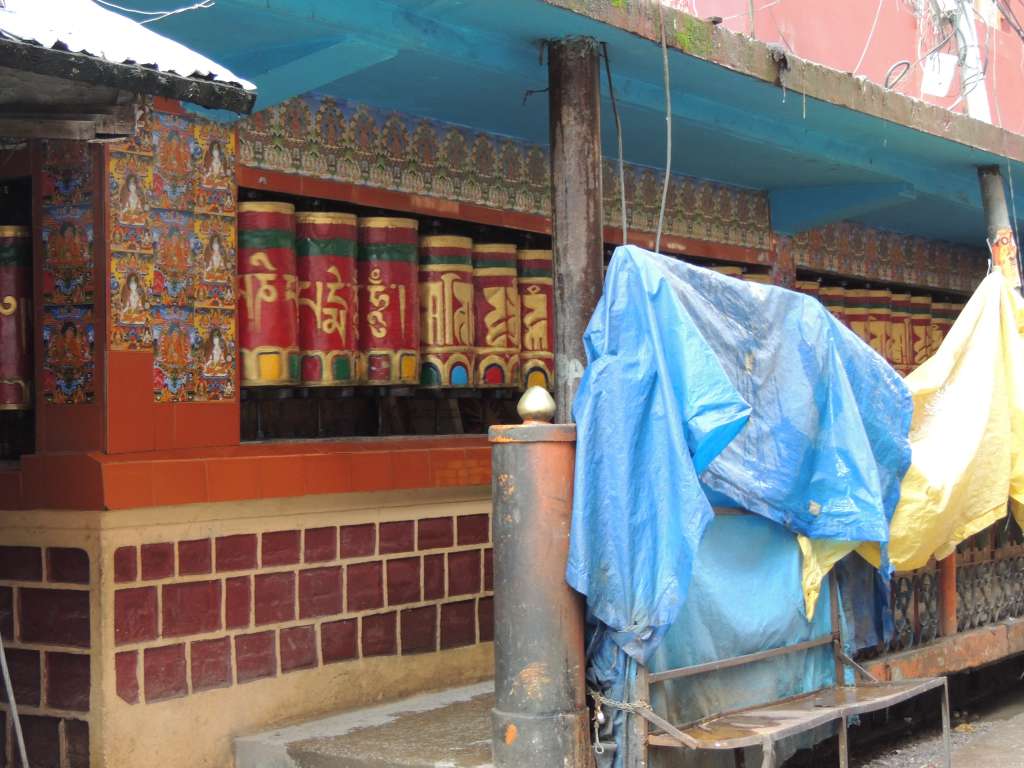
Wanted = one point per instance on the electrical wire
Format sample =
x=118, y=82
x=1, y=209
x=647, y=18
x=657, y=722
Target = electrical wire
x=871, y=34
x=157, y=15
x=18, y=735
x=618, y=136
x=668, y=130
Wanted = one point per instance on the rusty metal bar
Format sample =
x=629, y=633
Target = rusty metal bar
x=947, y=596
x=576, y=205
x=540, y=714
x=738, y=661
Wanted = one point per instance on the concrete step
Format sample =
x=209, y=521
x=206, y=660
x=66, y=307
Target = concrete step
x=449, y=729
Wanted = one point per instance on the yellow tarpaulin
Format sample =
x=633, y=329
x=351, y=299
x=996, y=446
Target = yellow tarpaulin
x=967, y=438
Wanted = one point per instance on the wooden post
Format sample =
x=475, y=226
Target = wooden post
x=576, y=205
x=947, y=596
x=1001, y=242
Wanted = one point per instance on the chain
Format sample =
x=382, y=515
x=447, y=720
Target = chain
x=600, y=700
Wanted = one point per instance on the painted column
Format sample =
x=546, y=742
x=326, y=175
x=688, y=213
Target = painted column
x=576, y=205
x=1001, y=241
x=15, y=318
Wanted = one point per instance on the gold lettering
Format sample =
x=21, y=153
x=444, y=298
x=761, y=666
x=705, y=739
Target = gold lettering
x=379, y=299
x=535, y=321
x=260, y=259
x=256, y=295
x=8, y=306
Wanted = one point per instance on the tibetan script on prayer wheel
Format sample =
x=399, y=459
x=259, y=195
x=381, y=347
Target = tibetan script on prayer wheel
x=446, y=311
x=15, y=318
x=879, y=309
x=325, y=249
x=268, y=332
x=537, y=304
x=388, y=301
x=498, y=315
x=899, y=346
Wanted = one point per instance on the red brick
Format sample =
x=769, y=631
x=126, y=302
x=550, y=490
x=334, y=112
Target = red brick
x=298, y=648
x=474, y=529
x=42, y=741
x=126, y=673
x=190, y=608
x=403, y=580
x=419, y=629
x=379, y=635
x=280, y=548
x=77, y=740
x=485, y=615
x=464, y=572
x=458, y=624
x=433, y=577
x=397, y=537
x=135, y=617
x=25, y=676
x=321, y=544
x=67, y=681
x=6, y=613
x=274, y=597
x=488, y=570
x=236, y=553
x=320, y=592
x=126, y=564
x=435, y=533
x=164, y=672
x=21, y=563
x=67, y=564
x=365, y=582
x=211, y=663
x=195, y=557
x=238, y=603
x=157, y=561
x=76, y=737
x=338, y=640
x=358, y=540
x=55, y=616
x=255, y=656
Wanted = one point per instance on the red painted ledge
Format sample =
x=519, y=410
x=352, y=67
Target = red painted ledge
x=249, y=471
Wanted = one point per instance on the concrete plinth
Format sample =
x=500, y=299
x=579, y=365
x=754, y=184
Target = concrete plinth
x=451, y=729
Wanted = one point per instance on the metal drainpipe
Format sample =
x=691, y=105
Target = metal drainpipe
x=540, y=714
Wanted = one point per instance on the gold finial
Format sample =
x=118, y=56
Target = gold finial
x=536, y=405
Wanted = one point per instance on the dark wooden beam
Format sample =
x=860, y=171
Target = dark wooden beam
x=576, y=206
x=129, y=77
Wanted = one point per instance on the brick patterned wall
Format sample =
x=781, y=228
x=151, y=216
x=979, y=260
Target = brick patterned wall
x=199, y=614
x=44, y=621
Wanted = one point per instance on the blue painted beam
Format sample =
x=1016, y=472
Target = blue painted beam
x=798, y=209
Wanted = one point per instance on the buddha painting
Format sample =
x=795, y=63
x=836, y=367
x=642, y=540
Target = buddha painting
x=215, y=262
x=174, y=251
x=216, y=361
x=215, y=165
x=68, y=349
x=174, y=157
x=132, y=204
x=66, y=247
x=133, y=301
x=173, y=348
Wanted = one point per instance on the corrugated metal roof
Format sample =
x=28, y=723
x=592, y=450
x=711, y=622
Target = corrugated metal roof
x=82, y=26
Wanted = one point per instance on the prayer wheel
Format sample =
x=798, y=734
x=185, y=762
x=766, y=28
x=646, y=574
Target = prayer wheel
x=857, y=311
x=899, y=349
x=498, y=316
x=389, y=315
x=325, y=249
x=809, y=287
x=268, y=328
x=15, y=318
x=728, y=269
x=834, y=299
x=939, y=324
x=879, y=310
x=446, y=311
x=537, y=304
x=920, y=329
x=759, y=277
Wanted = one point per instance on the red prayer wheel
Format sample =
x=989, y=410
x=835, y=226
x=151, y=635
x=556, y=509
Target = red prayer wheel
x=857, y=311
x=834, y=299
x=920, y=329
x=325, y=249
x=389, y=315
x=879, y=310
x=537, y=304
x=15, y=318
x=268, y=325
x=498, y=316
x=899, y=349
x=446, y=311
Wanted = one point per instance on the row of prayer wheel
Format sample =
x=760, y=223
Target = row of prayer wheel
x=15, y=318
x=906, y=329
x=328, y=299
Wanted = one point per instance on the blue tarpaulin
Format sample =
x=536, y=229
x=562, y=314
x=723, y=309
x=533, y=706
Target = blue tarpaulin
x=702, y=385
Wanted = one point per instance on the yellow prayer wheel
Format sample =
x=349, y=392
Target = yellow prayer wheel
x=920, y=329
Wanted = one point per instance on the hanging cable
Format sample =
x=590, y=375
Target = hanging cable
x=668, y=130
x=618, y=136
x=871, y=34
x=19, y=737
x=157, y=15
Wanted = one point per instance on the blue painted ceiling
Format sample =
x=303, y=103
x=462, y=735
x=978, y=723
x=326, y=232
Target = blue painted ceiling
x=472, y=61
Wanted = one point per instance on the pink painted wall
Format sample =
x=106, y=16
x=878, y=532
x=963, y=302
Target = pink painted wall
x=847, y=37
